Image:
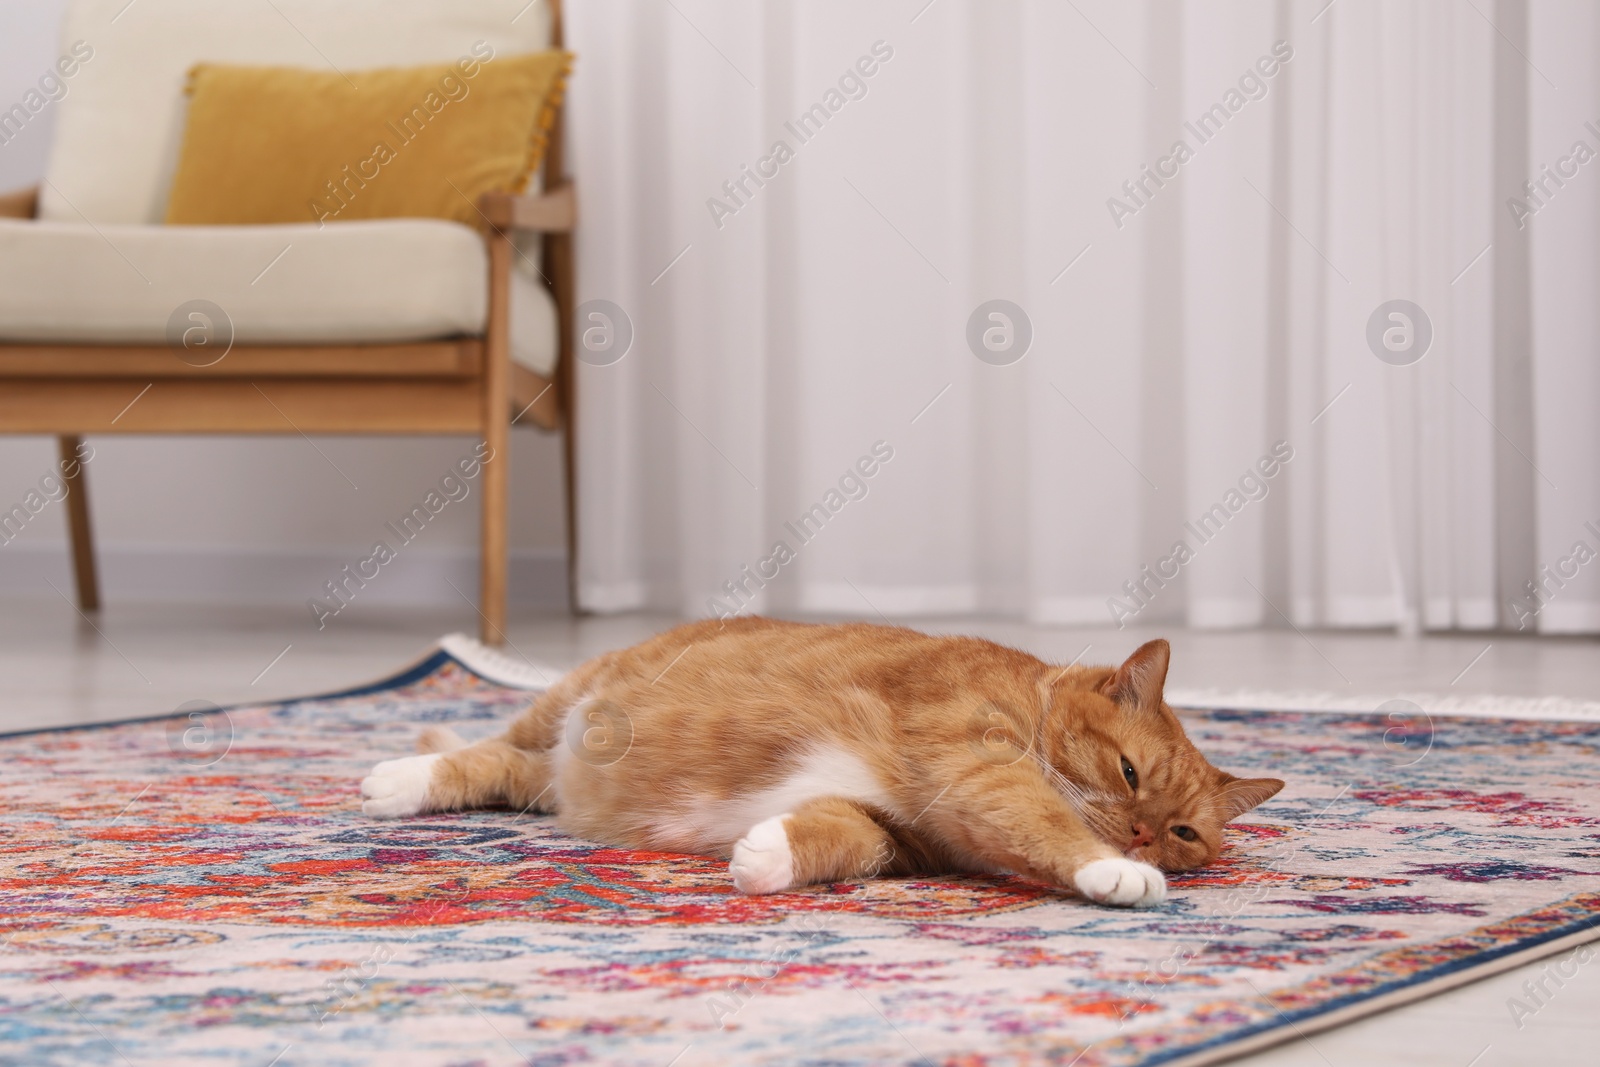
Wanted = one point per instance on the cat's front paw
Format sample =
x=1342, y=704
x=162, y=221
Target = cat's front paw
x=1125, y=883
x=762, y=860
x=398, y=787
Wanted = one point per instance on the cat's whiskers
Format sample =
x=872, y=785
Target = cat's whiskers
x=1087, y=803
x=1070, y=790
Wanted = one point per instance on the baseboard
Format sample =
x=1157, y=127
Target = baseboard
x=416, y=577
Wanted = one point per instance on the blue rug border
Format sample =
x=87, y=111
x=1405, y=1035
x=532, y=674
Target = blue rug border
x=417, y=671
x=1432, y=974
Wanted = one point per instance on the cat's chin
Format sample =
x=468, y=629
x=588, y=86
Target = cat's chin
x=1144, y=859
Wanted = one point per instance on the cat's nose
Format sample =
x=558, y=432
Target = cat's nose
x=1141, y=836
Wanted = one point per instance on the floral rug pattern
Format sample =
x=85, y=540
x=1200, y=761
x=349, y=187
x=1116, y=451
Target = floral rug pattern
x=204, y=889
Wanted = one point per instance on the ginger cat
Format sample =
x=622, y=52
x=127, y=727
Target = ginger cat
x=813, y=753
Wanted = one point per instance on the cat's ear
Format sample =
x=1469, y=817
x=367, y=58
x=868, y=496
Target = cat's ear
x=1239, y=795
x=1140, y=679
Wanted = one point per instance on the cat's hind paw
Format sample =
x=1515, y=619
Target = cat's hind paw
x=398, y=787
x=762, y=860
x=439, y=739
x=1122, y=882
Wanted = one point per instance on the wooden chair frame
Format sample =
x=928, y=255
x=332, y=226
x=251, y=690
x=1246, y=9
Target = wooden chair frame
x=462, y=385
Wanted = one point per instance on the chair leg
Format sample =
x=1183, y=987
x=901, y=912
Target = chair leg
x=493, y=575
x=78, y=528
x=497, y=434
x=559, y=267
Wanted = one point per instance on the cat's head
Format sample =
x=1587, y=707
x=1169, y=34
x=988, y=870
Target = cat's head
x=1124, y=762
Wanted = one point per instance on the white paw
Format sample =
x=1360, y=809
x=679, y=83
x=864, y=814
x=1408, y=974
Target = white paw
x=1125, y=883
x=398, y=787
x=762, y=862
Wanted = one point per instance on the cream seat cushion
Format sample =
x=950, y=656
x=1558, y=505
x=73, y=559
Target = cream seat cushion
x=385, y=280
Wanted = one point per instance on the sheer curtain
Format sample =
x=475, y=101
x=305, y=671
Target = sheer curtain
x=1228, y=314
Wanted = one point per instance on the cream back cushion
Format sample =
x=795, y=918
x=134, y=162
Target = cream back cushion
x=120, y=125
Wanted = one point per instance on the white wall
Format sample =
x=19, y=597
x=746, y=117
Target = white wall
x=28, y=45
x=261, y=519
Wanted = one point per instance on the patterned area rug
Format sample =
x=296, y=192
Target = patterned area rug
x=204, y=889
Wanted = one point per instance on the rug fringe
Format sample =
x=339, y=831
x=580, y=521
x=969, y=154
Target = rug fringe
x=498, y=667
x=518, y=673
x=1475, y=706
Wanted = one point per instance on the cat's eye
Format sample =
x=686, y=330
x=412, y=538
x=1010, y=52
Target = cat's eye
x=1185, y=833
x=1130, y=775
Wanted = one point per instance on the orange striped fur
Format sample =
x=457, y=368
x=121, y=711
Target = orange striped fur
x=817, y=753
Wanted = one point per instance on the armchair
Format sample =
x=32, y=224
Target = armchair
x=399, y=326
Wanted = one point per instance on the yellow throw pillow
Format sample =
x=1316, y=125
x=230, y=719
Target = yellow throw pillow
x=282, y=144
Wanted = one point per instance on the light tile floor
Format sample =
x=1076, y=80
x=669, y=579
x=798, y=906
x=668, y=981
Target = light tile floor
x=57, y=668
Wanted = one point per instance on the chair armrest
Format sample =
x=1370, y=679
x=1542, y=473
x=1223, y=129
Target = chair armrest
x=21, y=204
x=553, y=211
